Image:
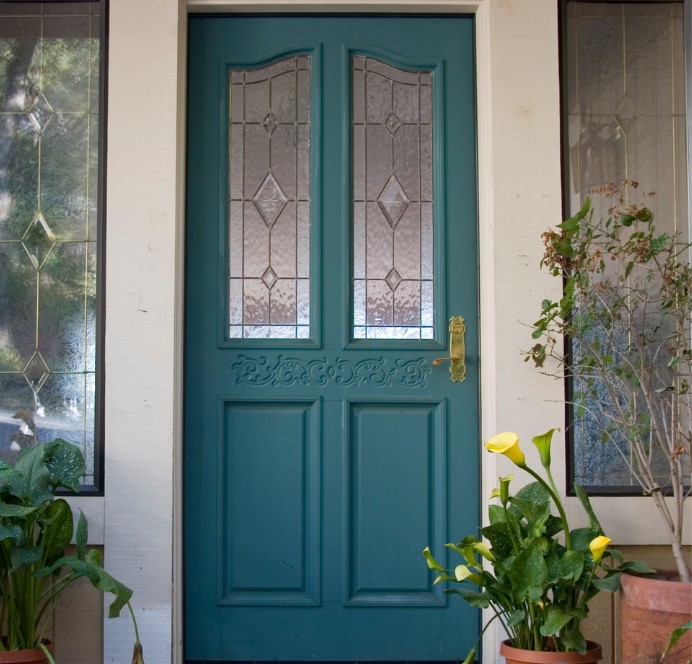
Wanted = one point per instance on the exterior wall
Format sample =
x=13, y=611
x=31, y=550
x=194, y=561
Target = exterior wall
x=519, y=191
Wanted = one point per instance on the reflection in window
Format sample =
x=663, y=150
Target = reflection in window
x=49, y=212
x=626, y=115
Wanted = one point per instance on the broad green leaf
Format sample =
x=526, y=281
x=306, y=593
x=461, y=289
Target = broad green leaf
x=581, y=538
x=554, y=620
x=58, y=527
x=15, y=510
x=571, y=565
x=23, y=556
x=13, y=482
x=32, y=466
x=65, y=464
x=529, y=574
x=516, y=617
x=534, y=492
x=610, y=583
x=637, y=567
x=499, y=536
x=574, y=640
x=12, y=532
x=473, y=598
x=496, y=514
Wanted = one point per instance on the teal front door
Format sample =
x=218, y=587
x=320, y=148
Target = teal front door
x=331, y=234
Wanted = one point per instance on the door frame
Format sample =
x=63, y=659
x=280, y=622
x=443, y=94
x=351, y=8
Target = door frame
x=481, y=11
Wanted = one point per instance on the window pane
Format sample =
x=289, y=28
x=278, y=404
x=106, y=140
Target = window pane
x=49, y=148
x=626, y=119
x=392, y=206
x=269, y=224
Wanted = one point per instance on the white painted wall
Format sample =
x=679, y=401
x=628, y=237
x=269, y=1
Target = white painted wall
x=519, y=180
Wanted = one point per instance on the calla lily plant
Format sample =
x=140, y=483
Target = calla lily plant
x=535, y=573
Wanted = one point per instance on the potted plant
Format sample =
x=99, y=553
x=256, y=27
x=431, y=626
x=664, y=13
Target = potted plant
x=626, y=307
x=539, y=574
x=36, y=526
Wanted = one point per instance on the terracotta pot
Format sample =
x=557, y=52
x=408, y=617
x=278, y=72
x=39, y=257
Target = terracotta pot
x=33, y=656
x=517, y=656
x=650, y=609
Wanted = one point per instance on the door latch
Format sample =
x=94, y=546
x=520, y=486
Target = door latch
x=457, y=350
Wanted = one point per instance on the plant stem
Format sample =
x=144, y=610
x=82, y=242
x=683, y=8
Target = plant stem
x=553, y=494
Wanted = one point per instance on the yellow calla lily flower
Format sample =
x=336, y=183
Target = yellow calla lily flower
x=598, y=546
x=495, y=493
x=507, y=443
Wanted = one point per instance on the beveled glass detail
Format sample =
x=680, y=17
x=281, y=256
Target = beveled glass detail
x=392, y=152
x=269, y=212
x=49, y=214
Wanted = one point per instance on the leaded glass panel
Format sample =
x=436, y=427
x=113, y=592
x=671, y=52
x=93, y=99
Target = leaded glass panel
x=49, y=182
x=625, y=103
x=269, y=215
x=393, y=287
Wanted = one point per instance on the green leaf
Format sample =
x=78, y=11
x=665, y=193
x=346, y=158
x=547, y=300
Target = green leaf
x=610, y=583
x=479, y=600
x=516, y=617
x=32, y=467
x=57, y=527
x=24, y=556
x=65, y=464
x=676, y=636
x=637, y=567
x=574, y=640
x=11, y=532
x=581, y=538
x=586, y=504
x=499, y=536
x=534, y=492
x=554, y=619
x=529, y=575
x=571, y=565
x=82, y=535
x=496, y=514
x=15, y=510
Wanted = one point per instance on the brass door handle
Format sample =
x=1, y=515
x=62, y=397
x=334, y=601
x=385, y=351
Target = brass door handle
x=457, y=350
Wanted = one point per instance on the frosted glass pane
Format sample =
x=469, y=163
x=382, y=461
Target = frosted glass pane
x=392, y=138
x=269, y=184
x=625, y=97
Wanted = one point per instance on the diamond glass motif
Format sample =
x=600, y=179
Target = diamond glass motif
x=269, y=278
x=36, y=371
x=393, y=279
x=38, y=240
x=270, y=200
x=41, y=113
x=270, y=123
x=392, y=123
x=393, y=201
